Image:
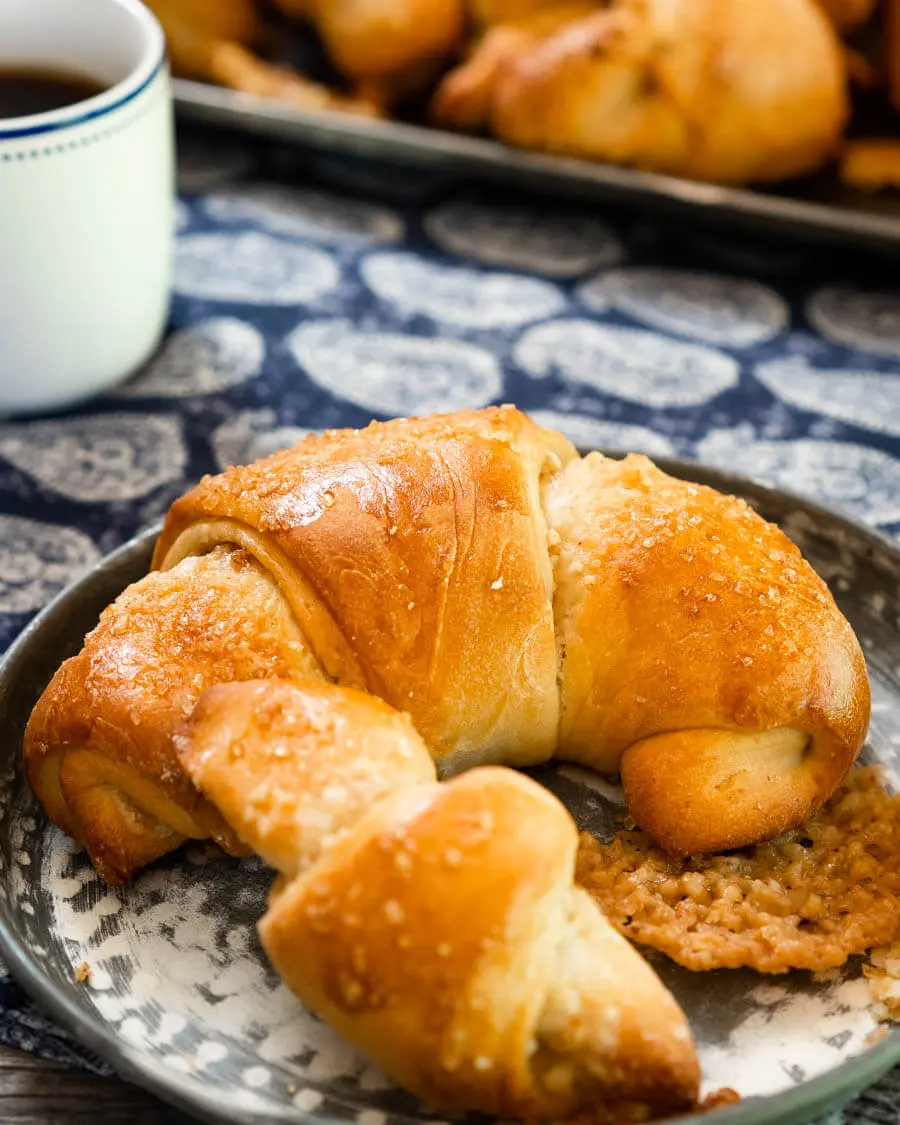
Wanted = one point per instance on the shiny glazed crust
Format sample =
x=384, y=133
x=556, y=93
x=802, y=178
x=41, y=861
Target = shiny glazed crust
x=685, y=624
x=98, y=746
x=518, y=602
x=371, y=39
x=414, y=555
x=436, y=927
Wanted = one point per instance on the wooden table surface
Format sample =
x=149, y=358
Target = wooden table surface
x=34, y=1092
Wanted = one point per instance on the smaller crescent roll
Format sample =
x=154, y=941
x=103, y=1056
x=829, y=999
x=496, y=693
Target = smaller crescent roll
x=435, y=926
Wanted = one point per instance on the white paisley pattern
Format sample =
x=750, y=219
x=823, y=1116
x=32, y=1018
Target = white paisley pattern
x=102, y=457
x=252, y=268
x=524, y=238
x=857, y=318
x=865, y=481
x=394, y=374
x=209, y=357
x=177, y=980
x=458, y=295
x=314, y=215
x=37, y=560
x=250, y=435
x=627, y=362
x=862, y=398
x=711, y=307
x=598, y=433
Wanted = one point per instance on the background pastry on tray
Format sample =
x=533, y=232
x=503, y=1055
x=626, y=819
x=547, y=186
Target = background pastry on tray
x=692, y=88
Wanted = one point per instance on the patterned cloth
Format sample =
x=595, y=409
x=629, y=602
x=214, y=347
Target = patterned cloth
x=359, y=291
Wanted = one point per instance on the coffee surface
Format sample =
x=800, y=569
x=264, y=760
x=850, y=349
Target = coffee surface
x=26, y=91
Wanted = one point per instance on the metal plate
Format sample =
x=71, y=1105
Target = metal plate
x=819, y=210
x=181, y=999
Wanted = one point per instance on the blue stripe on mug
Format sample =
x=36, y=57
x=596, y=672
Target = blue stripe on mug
x=90, y=115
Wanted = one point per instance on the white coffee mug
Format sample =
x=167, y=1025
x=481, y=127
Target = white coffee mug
x=86, y=204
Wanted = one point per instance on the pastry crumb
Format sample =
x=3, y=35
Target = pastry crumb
x=811, y=899
x=718, y=1099
x=871, y=164
x=83, y=972
x=882, y=971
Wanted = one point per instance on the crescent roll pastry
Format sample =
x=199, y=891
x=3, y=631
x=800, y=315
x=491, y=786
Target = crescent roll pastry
x=489, y=13
x=464, y=97
x=692, y=88
x=99, y=742
x=519, y=602
x=378, y=39
x=414, y=556
x=847, y=15
x=214, y=42
x=700, y=656
x=435, y=926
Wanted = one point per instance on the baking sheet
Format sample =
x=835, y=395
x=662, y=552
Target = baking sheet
x=820, y=209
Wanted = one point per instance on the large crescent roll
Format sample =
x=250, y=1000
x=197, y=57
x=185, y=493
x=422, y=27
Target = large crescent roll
x=414, y=557
x=518, y=601
x=435, y=926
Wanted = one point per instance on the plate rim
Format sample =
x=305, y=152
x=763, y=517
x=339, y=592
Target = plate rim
x=836, y=1086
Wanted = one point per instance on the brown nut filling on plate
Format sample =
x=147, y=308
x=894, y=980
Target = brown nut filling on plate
x=810, y=899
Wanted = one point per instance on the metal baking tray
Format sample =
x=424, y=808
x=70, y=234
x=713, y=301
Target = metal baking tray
x=820, y=209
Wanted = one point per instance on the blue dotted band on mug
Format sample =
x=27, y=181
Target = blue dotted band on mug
x=81, y=142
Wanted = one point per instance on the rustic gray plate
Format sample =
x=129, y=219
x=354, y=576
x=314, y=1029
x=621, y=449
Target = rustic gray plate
x=180, y=997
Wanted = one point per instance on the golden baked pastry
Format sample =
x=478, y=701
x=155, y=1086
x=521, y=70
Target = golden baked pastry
x=99, y=748
x=435, y=926
x=692, y=88
x=847, y=15
x=464, y=98
x=871, y=164
x=380, y=39
x=488, y=13
x=236, y=21
x=518, y=601
x=214, y=43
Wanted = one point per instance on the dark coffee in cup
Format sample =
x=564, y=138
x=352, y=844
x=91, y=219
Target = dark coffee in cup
x=25, y=91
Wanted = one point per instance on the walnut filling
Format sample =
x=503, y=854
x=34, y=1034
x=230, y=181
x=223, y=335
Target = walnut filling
x=883, y=975
x=810, y=899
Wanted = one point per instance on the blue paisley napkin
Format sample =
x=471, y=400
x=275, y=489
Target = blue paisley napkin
x=312, y=292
